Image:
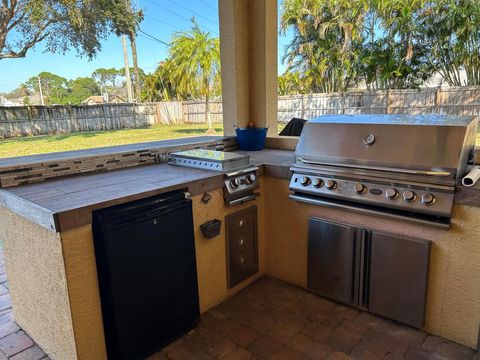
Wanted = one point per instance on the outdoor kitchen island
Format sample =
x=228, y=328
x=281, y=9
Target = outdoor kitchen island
x=53, y=275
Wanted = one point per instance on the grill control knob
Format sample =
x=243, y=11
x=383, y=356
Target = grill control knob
x=318, y=183
x=408, y=195
x=235, y=183
x=331, y=184
x=305, y=181
x=359, y=188
x=391, y=193
x=250, y=179
x=428, y=199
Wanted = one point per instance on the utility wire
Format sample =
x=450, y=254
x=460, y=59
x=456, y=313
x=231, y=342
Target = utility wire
x=209, y=5
x=153, y=37
x=163, y=22
x=179, y=16
x=193, y=12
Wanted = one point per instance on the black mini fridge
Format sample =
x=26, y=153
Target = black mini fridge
x=145, y=254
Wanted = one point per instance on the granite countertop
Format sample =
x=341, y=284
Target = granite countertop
x=67, y=203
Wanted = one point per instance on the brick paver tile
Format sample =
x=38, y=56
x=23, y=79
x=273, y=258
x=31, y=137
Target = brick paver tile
x=265, y=345
x=222, y=348
x=387, y=342
x=409, y=334
x=344, y=338
x=317, y=331
x=367, y=351
x=5, y=302
x=366, y=321
x=243, y=335
x=337, y=355
x=345, y=312
x=204, y=356
x=239, y=354
x=418, y=353
x=32, y=353
x=447, y=348
x=283, y=332
x=310, y=347
x=287, y=354
x=15, y=343
x=8, y=328
x=188, y=349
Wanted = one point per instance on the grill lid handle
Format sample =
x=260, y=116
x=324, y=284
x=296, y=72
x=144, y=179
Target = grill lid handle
x=394, y=170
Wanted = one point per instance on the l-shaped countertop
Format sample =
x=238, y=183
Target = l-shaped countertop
x=67, y=203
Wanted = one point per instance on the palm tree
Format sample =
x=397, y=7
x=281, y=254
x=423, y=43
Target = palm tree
x=194, y=66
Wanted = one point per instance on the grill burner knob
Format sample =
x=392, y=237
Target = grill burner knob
x=331, y=184
x=305, y=181
x=235, y=183
x=318, y=183
x=391, y=193
x=408, y=195
x=428, y=199
x=359, y=188
x=250, y=179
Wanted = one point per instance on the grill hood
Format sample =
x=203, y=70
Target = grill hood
x=426, y=146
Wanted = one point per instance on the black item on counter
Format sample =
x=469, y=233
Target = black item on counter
x=211, y=228
x=293, y=128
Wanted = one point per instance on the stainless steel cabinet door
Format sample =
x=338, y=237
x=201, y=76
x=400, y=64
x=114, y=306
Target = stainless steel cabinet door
x=331, y=251
x=398, y=278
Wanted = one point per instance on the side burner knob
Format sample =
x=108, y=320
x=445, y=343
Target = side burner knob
x=305, y=181
x=331, y=184
x=428, y=199
x=250, y=179
x=408, y=195
x=235, y=183
x=391, y=193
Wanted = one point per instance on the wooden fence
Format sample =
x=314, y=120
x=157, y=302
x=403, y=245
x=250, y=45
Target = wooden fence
x=40, y=120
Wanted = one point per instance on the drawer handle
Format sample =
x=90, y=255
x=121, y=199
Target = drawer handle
x=240, y=223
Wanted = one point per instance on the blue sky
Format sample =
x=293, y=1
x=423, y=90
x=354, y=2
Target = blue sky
x=162, y=19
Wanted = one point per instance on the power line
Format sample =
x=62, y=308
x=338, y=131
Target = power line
x=175, y=14
x=193, y=12
x=207, y=4
x=163, y=22
x=153, y=37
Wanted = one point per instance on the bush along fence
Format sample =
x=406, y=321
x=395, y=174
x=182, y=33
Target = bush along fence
x=40, y=120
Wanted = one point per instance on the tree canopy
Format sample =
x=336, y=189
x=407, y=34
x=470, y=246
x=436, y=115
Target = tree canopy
x=384, y=44
x=62, y=25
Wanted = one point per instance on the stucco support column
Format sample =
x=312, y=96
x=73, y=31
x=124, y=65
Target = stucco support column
x=248, y=46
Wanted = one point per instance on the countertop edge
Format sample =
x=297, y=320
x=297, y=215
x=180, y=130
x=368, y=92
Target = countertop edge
x=30, y=210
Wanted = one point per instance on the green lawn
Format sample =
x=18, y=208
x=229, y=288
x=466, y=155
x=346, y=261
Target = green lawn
x=85, y=140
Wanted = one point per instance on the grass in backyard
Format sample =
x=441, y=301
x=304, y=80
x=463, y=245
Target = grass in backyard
x=86, y=140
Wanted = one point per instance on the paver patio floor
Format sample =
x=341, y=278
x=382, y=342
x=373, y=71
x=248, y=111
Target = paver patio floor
x=273, y=320
x=270, y=320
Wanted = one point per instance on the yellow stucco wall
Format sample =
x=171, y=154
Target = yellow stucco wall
x=453, y=304
x=38, y=284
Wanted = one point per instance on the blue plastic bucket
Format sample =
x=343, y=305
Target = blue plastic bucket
x=251, y=139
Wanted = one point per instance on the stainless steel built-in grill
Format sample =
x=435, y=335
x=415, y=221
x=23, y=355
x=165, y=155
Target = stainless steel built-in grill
x=393, y=165
x=240, y=176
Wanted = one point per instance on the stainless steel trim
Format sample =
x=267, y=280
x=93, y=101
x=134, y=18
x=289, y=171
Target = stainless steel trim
x=241, y=171
x=308, y=200
x=393, y=170
x=242, y=199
